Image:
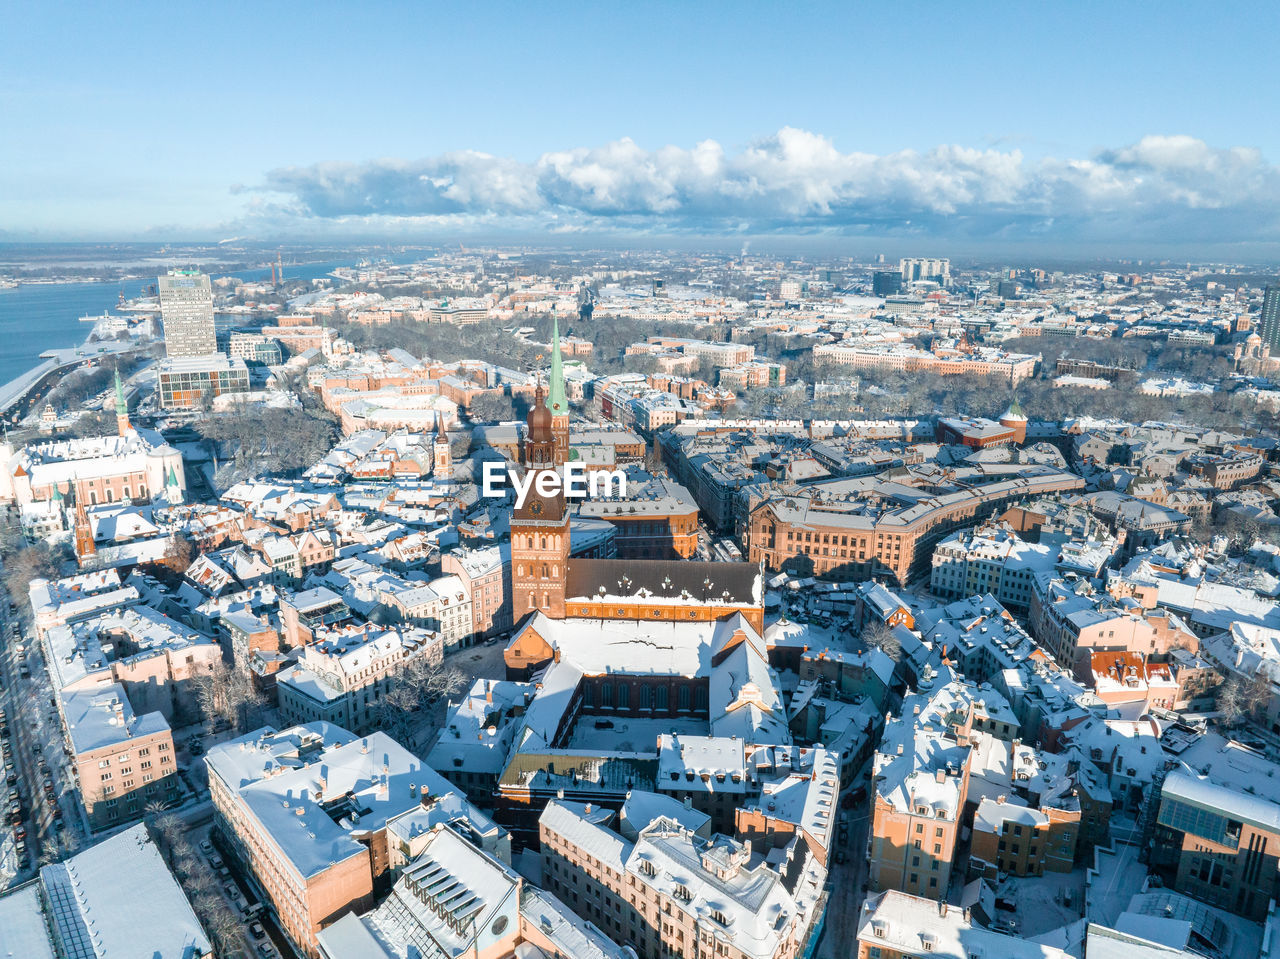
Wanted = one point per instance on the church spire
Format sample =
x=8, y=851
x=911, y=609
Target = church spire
x=556, y=400
x=122, y=408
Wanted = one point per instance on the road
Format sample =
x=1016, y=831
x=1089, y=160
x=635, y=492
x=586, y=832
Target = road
x=844, y=882
x=35, y=738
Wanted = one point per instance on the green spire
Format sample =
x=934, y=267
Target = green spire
x=122, y=408
x=556, y=400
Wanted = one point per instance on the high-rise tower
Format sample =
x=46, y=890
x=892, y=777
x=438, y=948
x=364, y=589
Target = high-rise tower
x=539, y=528
x=186, y=308
x=1269, y=323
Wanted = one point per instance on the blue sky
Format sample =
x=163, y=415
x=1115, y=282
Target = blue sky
x=1068, y=123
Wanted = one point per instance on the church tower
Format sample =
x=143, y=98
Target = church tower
x=85, y=546
x=557, y=401
x=539, y=528
x=122, y=409
x=441, y=457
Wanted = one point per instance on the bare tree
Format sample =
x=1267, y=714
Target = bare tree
x=1255, y=695
x=1230, y=701
x=878, y=635
x=38, y=560
x=228, y=693
x=415, y=691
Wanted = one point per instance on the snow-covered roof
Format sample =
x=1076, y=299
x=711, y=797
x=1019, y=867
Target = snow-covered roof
x=118, y=898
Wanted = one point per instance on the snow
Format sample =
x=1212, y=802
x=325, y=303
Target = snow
x=146, y=917
x=22, y=931
x=1261, y=810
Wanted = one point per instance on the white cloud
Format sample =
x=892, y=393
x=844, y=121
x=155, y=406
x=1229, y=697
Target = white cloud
x=1157, y=188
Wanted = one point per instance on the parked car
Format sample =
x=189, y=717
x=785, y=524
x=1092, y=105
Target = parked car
x=256, y=930
x=206, y=847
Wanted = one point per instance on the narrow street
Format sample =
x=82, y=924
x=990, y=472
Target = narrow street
x=844, y=882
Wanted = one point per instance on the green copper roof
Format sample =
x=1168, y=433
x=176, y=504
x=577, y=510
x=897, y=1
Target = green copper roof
x=557, y=402
x=122, y=408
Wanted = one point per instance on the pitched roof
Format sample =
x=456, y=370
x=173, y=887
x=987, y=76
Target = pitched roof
x=735, y=584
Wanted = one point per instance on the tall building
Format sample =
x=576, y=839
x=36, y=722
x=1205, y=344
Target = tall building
x=886, y=283
x=1270, y=321
x=540, y=528
x=557, y=401
x=186, y=307
x=914, y=268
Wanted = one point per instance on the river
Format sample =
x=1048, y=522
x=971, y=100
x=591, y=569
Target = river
x=35, y=318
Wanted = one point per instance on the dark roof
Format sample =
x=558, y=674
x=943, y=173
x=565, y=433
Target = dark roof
x=665, y=579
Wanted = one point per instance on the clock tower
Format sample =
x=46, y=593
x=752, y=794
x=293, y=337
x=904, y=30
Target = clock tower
x=540, y=528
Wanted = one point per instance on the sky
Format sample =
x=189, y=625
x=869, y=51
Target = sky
x=1070, y=125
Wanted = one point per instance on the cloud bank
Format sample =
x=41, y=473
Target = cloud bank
x=1165, y=188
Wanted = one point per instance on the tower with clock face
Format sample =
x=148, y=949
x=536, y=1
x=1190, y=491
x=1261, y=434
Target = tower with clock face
x=539, y=528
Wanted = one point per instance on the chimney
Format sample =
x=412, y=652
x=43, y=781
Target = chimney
x=940, y=775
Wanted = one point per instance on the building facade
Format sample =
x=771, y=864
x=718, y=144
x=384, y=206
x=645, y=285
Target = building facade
x=186, y=308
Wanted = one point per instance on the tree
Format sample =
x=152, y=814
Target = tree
x=491, y=408
x=94, y=424
x=35, y=561
x=1255, y=696
x=179, y=554
x=228, y=693
x=1230, y=701
x=413, y=692
x=878, y=635
x=270, y=440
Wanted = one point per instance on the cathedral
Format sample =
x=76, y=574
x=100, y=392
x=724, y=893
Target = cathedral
x=544, y=579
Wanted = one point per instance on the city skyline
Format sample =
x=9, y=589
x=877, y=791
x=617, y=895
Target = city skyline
x=888, y=126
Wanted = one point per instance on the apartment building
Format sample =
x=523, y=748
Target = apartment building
x=122, y=761
x=657, y=519
x=309, y=813
x=344, y=674
x=1072, y=620
x=485, y=575
x=894, y=925
x=1013, y=838
x=669, y=890
x=876, y=529
x=920, y=790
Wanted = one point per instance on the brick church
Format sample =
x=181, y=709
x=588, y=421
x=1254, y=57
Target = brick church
x=545, y=579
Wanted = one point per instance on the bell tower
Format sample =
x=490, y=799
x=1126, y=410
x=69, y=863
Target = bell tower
x=441, y=457
x=540, y=527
